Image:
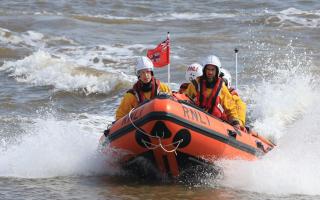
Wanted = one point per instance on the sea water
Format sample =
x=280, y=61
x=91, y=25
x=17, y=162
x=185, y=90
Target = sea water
x=64, y=66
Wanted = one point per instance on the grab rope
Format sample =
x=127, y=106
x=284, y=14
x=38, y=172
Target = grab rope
x=151, y=146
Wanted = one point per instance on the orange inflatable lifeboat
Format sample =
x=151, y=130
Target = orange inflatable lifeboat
x=168, y=135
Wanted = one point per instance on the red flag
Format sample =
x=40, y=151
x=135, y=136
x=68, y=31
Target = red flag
x=160, y=55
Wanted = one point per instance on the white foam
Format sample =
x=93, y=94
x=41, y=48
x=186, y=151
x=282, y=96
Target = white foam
x=167, y=16
x=42, y=69
x=294, y=11
x=55, y=148
x=30, y=39
x=298, y=17
x=33, y=39
x=73, y=67
x=190, y=16
x=93, y=123
x=284, y=107
x=14, y=12
x=291, y=168
x=275, y=100
x=94, y=56
x=292, y=116
x=278, y=105
x=7, y=37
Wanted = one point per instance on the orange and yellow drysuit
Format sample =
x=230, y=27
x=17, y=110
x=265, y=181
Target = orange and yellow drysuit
x=135, y=96
x=241, y=106
x=217, y=100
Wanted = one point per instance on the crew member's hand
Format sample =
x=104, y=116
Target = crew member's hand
x=236, y=124
x=243, y=129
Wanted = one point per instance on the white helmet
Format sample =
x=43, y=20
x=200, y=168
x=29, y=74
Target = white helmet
x=193, y=71
x=212, y=60
x=143, y=63
x=225, y=74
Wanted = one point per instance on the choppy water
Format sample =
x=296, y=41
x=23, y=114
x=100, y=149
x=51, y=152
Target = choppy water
x=64, y=66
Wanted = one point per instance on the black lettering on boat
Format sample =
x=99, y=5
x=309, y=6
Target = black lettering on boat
x=194, y=114
x=200, y=118
x=208, y=120
x=141, y=112
x=185, y=112
x=135, y=116
x=125, y=120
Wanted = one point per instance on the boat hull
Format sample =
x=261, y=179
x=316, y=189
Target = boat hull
x=172, y=136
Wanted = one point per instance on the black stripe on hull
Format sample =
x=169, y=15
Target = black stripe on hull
x=187, y=124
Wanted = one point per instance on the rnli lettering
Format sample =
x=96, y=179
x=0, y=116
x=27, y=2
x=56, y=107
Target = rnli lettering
x=195, y=115
x=125, y=120
x=200, y=119
x=185, y=112
x=134, y=116
x=192, y=68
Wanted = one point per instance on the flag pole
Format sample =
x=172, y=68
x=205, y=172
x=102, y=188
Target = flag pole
x=168, y=37
x=236, y=52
